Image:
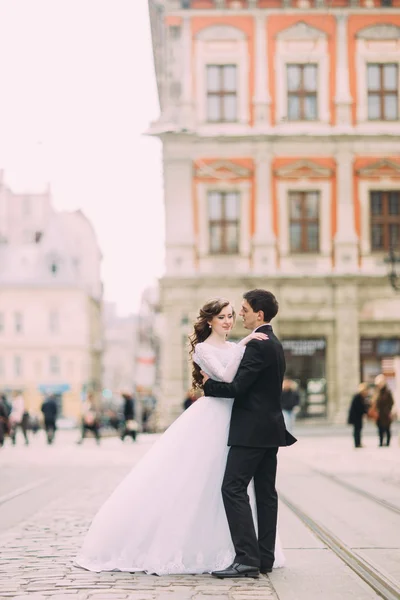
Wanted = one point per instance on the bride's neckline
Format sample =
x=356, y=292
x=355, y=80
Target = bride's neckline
x=218, y=347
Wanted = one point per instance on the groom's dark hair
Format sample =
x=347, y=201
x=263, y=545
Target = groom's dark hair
x=263, y=300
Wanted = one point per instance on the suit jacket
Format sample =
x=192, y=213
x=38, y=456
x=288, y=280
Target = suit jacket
x=358, y=408
x=257, y=419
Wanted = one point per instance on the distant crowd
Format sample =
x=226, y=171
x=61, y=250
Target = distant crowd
x=15, y=419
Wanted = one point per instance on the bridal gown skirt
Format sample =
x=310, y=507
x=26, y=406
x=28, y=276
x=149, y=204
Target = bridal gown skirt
x=167, y=515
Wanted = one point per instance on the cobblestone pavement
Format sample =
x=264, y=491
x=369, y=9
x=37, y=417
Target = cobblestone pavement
x=36, y=555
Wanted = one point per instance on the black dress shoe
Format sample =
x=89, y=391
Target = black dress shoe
x=237, y=570
x=265, y=570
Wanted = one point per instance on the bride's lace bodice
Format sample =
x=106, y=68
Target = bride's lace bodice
x=220, y=364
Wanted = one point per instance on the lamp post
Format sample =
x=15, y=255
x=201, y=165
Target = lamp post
x=393, y=275
x=185, y=358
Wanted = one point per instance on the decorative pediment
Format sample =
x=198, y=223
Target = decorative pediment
x=221, y=169
x=380, y=32
x=380, y=168
x=303, y=169
x=301, y=31
x=220, y=33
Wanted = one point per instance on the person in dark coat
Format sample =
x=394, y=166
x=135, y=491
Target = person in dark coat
x=257, y=430
x=50, y=410
x=358, y=408
x=4, y=424
x=289, y=400
x=129, y=426
x=383, y=403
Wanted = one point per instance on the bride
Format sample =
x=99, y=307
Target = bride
x=167, y=516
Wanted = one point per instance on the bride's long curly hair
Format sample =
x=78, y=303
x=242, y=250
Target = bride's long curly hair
x=202, y=330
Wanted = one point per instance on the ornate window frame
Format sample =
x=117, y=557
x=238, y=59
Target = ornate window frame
x=365, y=186
x=375, y=44
x=322, y=260
x=302, y=44
x=220, y=45
x=244, y=189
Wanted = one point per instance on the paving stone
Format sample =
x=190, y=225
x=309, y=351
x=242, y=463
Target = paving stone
x=38, y=553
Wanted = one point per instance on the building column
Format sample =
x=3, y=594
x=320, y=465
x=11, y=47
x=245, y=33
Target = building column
x=343, y=99
x=186, y=111
x=262, y=99
x=264, y=241
x=179, y=216
x=347, y=352
x=346, y=241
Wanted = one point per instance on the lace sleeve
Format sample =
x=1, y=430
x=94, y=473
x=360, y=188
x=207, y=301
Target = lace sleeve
x=207, y=359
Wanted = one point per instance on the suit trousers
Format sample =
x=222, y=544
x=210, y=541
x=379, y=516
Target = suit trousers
x=242, y=466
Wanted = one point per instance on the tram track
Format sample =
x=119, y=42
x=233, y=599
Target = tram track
x=384, y=585
x=353, y=488
x=22, y=490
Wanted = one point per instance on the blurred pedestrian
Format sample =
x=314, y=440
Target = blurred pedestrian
x=129, y=426
x=358, y=408
x=289, y=400
x=34, y=423
x=383, y=404
x=19, y=417
x=189, y=400
x=4, y=422
x=50, y=410
x=90, y=419
x=148, y=406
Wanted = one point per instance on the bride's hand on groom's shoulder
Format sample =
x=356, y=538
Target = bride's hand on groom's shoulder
x=205, y=377
x=255, y=335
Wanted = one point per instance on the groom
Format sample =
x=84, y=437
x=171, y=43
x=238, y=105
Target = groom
x=257, y=429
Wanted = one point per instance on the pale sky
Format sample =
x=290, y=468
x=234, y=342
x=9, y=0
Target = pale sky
x=77, y=92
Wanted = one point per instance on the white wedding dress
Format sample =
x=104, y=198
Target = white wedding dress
x=167, y=515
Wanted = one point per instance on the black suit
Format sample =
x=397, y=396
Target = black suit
x=257, y=429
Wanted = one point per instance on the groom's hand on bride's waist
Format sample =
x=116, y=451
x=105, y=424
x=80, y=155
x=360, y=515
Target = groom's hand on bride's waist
x=205, y=377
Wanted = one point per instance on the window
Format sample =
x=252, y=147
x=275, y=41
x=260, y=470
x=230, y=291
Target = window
x=54, y=365
x=385, y=220
x=1, y=322
x=18, y=322
x=17, y=366
x=302, y=92
x=386, y=3
x=223, y=211
x=382, y=81
x=304, y=221
x=221, y=93
x=54, y=321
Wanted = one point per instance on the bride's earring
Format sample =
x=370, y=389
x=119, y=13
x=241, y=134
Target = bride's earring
x=210, y=325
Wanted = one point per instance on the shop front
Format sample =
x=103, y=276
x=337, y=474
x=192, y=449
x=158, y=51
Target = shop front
x=306, y=365
x=378, y=355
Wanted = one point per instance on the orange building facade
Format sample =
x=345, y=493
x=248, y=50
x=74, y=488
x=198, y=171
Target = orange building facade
x=280, y=128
